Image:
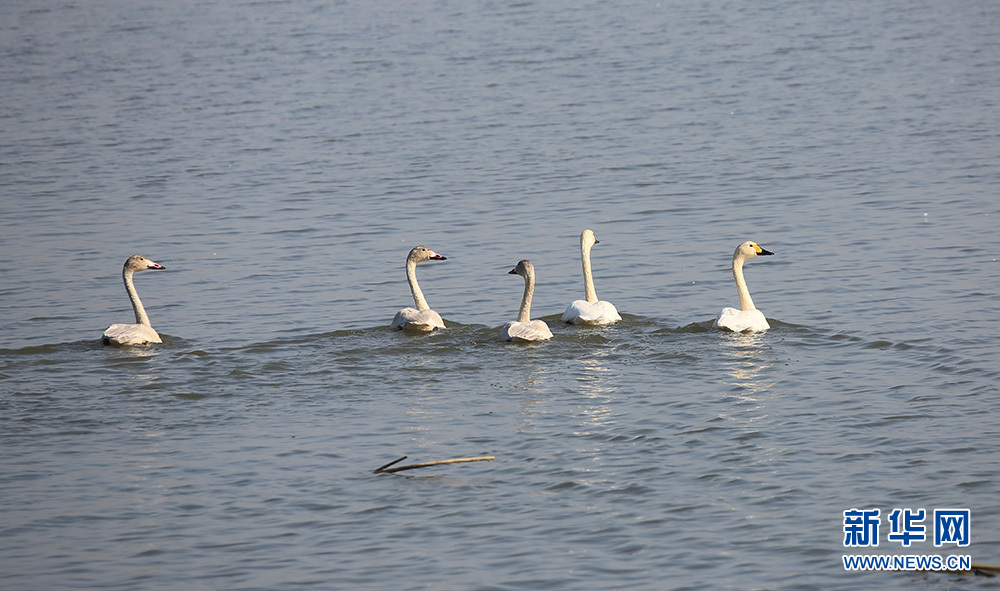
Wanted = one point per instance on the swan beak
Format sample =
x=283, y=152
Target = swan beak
x=764, y=252
x=153, y=265
x=438, y=257
x=512, y=271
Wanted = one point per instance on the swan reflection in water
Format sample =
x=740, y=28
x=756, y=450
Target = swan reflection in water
x=137, y=367
x=750, y=368
x=749, y=364
x=597, y=388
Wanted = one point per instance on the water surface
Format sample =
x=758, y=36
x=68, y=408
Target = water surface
x=281, y=158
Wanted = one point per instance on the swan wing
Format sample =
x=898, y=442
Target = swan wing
x=741, y=320
x=526, y=332
x=417, y=320
x=130, y=334
x=583, y=312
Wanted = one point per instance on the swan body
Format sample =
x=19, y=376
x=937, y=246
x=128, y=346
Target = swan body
x=524, y=329
x=141, y=332
x=589, y=310
x=421, y=318
x=594, y=314
x=747, y=318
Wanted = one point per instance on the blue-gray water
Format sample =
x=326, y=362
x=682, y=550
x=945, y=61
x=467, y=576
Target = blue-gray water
x=280, y=158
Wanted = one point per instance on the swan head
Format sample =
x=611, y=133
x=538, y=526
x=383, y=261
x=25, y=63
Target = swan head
x=420, y=254
x=587, y=239
x=137, y=262
x=749, y=249
x=524, y=269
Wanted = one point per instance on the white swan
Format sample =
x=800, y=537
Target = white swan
x=525, y=330
x=141, y=332
x=421, y=318
x=589, y=310
x=748, y=317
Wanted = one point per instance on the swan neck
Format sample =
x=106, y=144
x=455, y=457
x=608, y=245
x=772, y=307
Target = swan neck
x=746, y=302
x=140, y=312
x=524, y=315
x=588, y=276
x=411, y=278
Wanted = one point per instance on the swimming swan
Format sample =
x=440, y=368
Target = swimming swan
x=525, y=330
x=590, y=310
x=749, y=317
x=141, y=332
x=421, y=318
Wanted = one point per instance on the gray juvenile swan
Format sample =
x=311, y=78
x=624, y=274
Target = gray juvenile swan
x=747, y=317
x=421, y=318
x=525, y=330
x=141, y=332
x=589, y=310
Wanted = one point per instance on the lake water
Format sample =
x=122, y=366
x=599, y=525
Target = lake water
x=281, y=158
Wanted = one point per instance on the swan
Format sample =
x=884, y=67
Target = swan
x=589, y=310
x=421, y=318
x=525, y=330
x=141, y=332
x=748, y=317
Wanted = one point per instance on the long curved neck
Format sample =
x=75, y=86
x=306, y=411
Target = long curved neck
x=411, y=278
x=746, y=303
x=524, y=315
x=588, y=277
x=140, y=312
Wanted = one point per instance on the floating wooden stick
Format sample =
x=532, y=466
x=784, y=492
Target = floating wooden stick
x=387, y=470
x=983, y=570
x=382, y=468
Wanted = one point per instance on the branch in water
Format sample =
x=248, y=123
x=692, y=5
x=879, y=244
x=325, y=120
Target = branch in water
x=387, y=470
